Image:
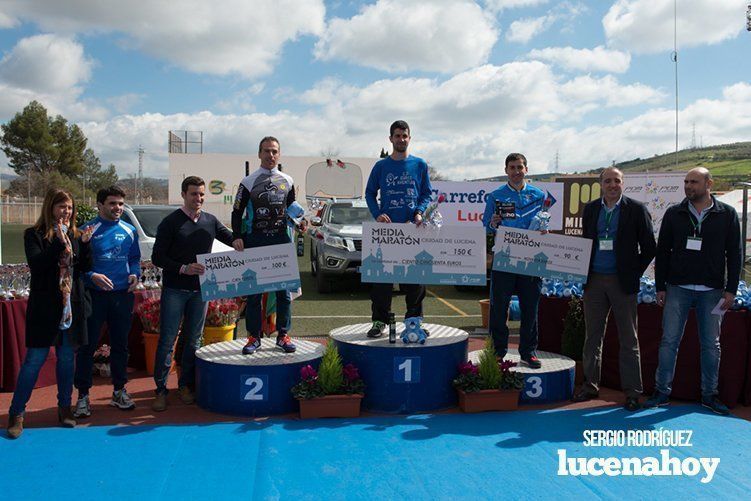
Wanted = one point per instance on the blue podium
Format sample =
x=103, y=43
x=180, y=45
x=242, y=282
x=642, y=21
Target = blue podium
x=553, y=382
x=251, y=385
x=404, y=378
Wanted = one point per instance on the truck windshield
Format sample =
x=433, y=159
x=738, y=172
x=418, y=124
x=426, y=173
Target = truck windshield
x=150, y=217
x=346, y=214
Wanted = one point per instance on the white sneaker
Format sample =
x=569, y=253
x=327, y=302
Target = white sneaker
x=83, y=408
x=122, y=400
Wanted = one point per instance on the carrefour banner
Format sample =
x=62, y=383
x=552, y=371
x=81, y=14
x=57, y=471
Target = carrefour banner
x=409, y=254
x=465, y=200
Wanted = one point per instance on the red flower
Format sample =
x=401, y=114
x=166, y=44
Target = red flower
x=507, y=364
x=350, y=373
x=468, y=368
x=308, y=373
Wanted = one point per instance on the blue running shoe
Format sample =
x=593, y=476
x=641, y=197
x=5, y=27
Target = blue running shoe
x=285, y=343
x=715, y=405
x=657, y=400
x=253, y=344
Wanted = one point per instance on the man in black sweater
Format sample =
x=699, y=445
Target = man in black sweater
x=180, y=237
x=698, y=265
x=623, y=246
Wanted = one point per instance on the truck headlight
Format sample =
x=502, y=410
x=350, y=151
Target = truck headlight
x=335, y=242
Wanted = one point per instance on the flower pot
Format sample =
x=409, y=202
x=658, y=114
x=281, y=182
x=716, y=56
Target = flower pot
x=489, y=400
x=217, y=334
x=330, y=406
x=485, y=311
x=150, y=343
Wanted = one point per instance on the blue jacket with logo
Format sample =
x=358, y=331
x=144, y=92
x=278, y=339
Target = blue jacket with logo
x=404, y=187
x=527, y=203
x=115, y=252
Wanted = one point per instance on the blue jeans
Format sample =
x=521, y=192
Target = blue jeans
x=502, y=286
x=115, y=308
x=176, y=305
x=32, y=364
x=677, y=303
x=253, y=308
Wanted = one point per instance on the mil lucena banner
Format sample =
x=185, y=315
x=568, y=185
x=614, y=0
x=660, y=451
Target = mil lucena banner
x=409, y=254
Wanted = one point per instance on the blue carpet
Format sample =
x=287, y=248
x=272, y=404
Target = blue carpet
x=457, y=456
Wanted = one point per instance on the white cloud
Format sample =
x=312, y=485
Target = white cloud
x=7, y=21
x=113, y=139
x=46, y=63
x=523, y=30
x=607, y=90
x=52, y=70
x=242, y=100
x=465, y=125
x=499, y=5
x=390, y=35
x=646, y=26
x=221, y=38
x=510, y=4
x=123, y=103
x=597, y=59
x=454, y=143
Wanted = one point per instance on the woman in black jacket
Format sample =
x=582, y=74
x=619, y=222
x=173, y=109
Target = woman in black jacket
x=58, y=256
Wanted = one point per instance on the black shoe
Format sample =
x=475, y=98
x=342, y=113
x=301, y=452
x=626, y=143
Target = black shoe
x=657, y=400
x=378, y=329
x=532, y=362
x=632, y=404
x=584, y=396
x=713, y=403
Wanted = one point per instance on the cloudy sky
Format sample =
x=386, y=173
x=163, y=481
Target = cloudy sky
x=592, y=80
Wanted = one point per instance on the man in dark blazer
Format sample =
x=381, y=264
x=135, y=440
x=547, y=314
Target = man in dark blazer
x=623, y=246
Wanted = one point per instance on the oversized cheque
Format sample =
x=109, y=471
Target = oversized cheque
x=251, y=271
x=409, y=254
x=528, y=252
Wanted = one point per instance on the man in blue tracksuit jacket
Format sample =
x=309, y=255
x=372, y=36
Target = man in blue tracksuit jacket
x=515, y=205
x=403, y=185
x=114, y=276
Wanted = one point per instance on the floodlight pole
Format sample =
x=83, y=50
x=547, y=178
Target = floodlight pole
x=744, y=224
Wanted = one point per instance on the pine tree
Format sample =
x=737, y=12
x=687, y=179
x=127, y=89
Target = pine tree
x=330, y=371
x=489, y=370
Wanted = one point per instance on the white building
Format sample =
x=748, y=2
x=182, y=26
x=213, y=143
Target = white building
x=343, y=177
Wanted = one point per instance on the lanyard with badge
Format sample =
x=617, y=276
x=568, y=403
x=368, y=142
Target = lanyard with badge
x=606, y=244
x=694, y=243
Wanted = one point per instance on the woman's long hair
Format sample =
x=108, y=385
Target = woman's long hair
x=46, y=222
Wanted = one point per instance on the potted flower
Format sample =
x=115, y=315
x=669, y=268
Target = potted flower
x=221, y=319
x=148, y=313
x=489, y=386
x=102, y=360
x=332, y=391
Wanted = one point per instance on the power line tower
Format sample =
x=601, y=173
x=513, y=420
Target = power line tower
x=139, y=179
x=693, y=136
x=557, y=164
